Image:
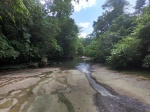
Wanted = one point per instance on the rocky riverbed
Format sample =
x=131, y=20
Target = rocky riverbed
x=57, y=90
x=45, y=90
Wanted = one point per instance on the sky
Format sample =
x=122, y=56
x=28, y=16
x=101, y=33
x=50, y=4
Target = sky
x=86, y=12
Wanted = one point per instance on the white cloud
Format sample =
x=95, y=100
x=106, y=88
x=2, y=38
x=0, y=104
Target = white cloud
x=83, y=4
x=82, y=35
x=84, y=24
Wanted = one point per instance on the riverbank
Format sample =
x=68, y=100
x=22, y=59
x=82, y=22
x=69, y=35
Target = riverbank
x=137, y=87
x=68, y=90
x=45, y=90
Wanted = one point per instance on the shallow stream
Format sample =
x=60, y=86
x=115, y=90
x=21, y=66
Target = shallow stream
x=86, y=69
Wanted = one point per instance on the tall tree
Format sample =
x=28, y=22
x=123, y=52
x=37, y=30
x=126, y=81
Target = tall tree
x=114, y=8
x=31, y=30
x=116, y=5
x=139, y=5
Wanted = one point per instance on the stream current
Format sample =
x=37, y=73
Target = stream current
x=86, y=69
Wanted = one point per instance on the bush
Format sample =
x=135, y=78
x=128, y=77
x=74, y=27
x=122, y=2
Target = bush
x=125, y=53
x=6, y=50
x=146, y=61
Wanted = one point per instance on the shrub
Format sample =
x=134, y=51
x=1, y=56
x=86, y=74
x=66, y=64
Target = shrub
x=124, y=53
x=146, y=61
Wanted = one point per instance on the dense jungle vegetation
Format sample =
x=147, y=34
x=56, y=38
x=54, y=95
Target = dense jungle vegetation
x=121, y=39
x=30, y=31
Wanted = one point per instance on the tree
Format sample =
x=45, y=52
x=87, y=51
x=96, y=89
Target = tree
x=13, y=18
x=6, y=50
x=91, y=49
x=31, y=30
x=80, y=47
x=125, y=53
x=139, y=5
x=67, y=38
x=123, y=25
x=114, y=8
x=142, y=31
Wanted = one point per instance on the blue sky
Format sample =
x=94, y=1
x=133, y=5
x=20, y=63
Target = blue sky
x=86, y=12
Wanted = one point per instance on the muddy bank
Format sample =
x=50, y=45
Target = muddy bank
x=136, y=87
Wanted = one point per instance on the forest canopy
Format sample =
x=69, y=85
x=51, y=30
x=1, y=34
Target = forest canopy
x=121, y=39
x=30, y=30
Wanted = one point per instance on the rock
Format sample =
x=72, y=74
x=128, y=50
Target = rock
x=42, y=64
x=44, y=59
x=33, y=65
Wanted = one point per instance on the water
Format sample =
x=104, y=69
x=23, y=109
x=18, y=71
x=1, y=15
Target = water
x=69, y=64
x=86, y=69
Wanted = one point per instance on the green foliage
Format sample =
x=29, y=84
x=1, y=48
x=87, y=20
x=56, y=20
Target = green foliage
x=67, y=38
x=31, y=30
x=6, y=50
x=115, y=4
x=119, y=29
x=10, y=9
x=86, y=41
x=142, y=31
x=139, y=4
x=106, y=43
x=80, y=47
x=91, y=49
x=131, y=51
x=146, y=62
x=124, y=53
x=123, y=25
x=121, y=39
x=62, y=8
x=115, y=9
